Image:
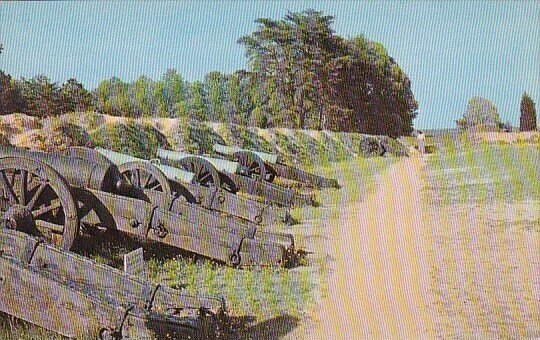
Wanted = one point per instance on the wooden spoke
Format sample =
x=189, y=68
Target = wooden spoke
x=147, y=182
x=156, y=186
x=57, y=228
x=8, y=188
x=23, y=187
x=54, y=204
x=34, y=198
x=145, y=175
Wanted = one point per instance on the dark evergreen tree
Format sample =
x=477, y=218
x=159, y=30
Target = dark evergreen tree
x=527, y=119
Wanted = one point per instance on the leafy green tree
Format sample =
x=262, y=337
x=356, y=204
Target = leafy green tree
x=74, y=96
x=42, y=96
x=240, y=101
x=198, y=109
x=527, y=119
x=142, y=95
x=11, y=97
x=175, y=92
x=216, y=90
x=481, y=115
x=372, y=95
x=315, y=79
x=295, y=54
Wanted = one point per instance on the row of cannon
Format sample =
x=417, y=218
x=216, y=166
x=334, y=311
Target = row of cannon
x=222, y=208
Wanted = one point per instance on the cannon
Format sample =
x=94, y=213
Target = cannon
x=226, y=172
x=266, y=167
x=50, y=195
x=194, y=188
x=79, y=298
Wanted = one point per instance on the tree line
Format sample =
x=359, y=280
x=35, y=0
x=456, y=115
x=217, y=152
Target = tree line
x=483, y=115
x=301, y=75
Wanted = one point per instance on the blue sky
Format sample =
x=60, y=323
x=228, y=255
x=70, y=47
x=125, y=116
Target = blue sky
x=452, y=51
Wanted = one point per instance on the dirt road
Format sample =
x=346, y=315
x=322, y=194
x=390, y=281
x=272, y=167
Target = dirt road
x=403, y=269
x=378, y=281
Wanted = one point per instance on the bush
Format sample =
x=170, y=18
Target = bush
x=89, y=120
x=138, y=140
x=393, y=147
x=194, y=137
x=248, y=138
x=33, y=140
x=61, y=135
x=4, y=141
x=370, y=146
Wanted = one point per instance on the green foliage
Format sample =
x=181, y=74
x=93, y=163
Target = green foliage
x=194, y=137
x=61, y=135
x=481, y=115
x=197, y=104
x=138, y=140
x=11, y=97
x=527, y=119
x=4, y=141
x=317, y=80
x=74, y=97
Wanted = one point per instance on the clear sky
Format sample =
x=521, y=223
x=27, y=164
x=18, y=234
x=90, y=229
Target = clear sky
x=452, y=51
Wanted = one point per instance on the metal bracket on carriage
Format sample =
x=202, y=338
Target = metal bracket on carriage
x=157, y=226
x=116, y=332
x=234, y=258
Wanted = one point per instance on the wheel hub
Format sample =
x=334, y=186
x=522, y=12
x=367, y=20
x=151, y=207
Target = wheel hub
x=18, y=216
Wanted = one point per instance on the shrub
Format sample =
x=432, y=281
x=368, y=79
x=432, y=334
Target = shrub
x=33, y=140
x=4, y=141
x=61, y=135
x=370, y=146
x=393, y=147
x=194, y=137
x=89, y=120
x=18, y=122
x=248, y=138
x=138, y=140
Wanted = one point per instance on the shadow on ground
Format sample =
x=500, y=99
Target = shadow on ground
x=245, y=327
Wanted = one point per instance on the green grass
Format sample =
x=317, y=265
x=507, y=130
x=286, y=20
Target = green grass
x=485, y=172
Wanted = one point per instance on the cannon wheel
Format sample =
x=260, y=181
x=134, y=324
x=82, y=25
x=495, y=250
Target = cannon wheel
x=37, y=200
x=144, y=175
x=205, y=173
x=85, y=153
x=255, y=166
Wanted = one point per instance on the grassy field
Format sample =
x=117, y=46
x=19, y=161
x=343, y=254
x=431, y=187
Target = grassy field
x=485, y=214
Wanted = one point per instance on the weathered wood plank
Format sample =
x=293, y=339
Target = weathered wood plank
x=77, y=297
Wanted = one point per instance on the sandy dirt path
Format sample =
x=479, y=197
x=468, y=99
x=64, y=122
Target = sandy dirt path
x=401, y=268
x=378, y=281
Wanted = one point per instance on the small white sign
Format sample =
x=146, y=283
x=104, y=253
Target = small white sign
x=134, y=263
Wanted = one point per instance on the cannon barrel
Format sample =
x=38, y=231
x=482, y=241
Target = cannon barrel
x=173, y=174
x=221, y=165
x=231, y=150
x=78, y=172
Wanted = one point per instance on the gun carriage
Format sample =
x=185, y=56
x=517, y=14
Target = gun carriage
x=79, y=298
x=206, y=189
x=267, y=167
x=50, y=195
x=221, y=172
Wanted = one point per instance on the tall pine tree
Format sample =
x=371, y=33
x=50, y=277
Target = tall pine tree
x=527, y=120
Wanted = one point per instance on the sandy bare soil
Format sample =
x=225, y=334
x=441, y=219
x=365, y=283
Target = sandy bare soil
x=404, y=268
